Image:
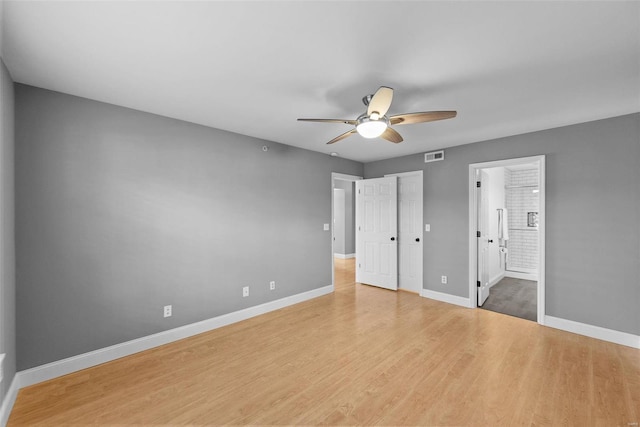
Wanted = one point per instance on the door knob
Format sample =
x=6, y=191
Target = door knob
x=490, y=240
x=393, y=238
x=417, y=239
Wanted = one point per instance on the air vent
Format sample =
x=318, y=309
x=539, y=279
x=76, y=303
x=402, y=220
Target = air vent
x=434, y=156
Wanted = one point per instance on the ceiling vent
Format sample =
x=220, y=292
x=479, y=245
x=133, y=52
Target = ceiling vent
x=434, y=156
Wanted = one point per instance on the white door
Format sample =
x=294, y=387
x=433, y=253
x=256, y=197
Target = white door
x=483, y=237
x=376, y=232
x=410, y=231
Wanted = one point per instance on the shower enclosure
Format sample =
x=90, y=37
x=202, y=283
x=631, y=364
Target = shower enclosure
x=523, y=205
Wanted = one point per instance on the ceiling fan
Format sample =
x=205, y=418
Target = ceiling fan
x=374, y=123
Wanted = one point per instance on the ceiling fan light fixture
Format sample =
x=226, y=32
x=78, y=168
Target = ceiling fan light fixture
x=374, y=122
x=369, y=128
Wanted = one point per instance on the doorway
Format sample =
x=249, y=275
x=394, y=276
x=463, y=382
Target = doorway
x=506, y=242
x=409, y=269
x=343, y=229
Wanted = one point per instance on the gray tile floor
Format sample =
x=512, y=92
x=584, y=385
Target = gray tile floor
x=515, y=297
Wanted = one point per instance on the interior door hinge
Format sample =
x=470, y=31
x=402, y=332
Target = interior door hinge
x=478, y=234
x=478, y=283
x=478, y=184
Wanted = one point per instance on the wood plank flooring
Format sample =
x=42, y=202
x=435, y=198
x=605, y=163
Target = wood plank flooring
x=360, y=356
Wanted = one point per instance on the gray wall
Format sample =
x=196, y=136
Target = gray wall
x=350, y=215
x=121, y=212
x=592, y=208
x=7, y=231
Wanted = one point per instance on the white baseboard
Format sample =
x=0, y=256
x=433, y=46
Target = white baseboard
x=597, y=332
x=496, y=279
x=521, y=275
x=344, y=256
x=82, y=361
x=9, y=400
x=451, y=299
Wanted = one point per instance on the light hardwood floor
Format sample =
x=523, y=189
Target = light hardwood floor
x=361, y=355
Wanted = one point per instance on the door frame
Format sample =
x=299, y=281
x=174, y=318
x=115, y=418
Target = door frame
x=482, y=221
x=473, y=224
x=419, y=173
x=343, y=177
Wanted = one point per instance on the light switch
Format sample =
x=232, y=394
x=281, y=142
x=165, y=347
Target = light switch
x=326, y=227
x=427, y=227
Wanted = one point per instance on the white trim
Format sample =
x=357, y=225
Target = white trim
x=540, y=161
x=448, y=298
x=418, y=172
x=597, y=332
x=521, y=275
x=344, y=256
x=542, y=233
x=522, y=270
x=9, y=400
x=496, y=279
x=507, y=162
x=473, y=243
x=345, y=177
x=82, y=361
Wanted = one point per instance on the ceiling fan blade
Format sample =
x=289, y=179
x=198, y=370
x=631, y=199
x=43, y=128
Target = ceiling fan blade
x=345, y=121
x=427, y=116
x=381, y=101
x=343, y=136
x=391, y=135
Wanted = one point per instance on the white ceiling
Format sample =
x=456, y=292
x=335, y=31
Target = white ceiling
x=254, y=67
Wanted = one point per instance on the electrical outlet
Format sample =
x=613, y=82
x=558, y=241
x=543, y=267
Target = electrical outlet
x=443, y=280
x=167, y=311
x=245, y=291
x=272, y=285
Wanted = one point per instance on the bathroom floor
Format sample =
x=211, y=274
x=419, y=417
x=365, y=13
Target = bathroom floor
x=515, y=297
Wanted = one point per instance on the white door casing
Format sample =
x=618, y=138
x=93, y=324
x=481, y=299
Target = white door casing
x=376, y=232
x=483, y=238
x=410, y=236
x=473, y=224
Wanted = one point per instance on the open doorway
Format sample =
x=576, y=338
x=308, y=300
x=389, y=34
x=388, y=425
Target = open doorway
x=506, y=256
x=343, y=229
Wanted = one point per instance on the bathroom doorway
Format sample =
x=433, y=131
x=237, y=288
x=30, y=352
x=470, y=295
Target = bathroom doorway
x=506, y=256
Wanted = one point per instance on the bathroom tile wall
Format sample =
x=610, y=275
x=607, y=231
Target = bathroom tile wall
x=523, y=239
